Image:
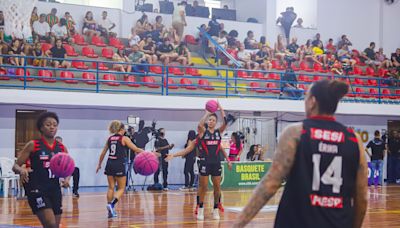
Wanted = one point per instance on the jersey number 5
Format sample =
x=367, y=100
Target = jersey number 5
x=332, y=175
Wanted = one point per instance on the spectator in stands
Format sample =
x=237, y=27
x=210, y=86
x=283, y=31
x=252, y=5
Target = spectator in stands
x=89, y=25
x=293, y=49
x=138, y=58
x=179, y=19
x=245, y=57
x=120, y=57
x=166, y=53
x=159, y=26
x=142, y=25
x=369, y=56
x=214, y=28
x=334, y=65
x=263, y=58
x=41, y=29
x=34, y=15
x=306, y=51
x=317, y=42
x=70, y=24
x=16, y=50
x=319, y=55
x=250, y=42
x=221, y=40
x=133, y=37
x=299, y=23
x=344, y=56
x=232, y=38
x=381, y=57
x=287, y=18
x=344, y=41
x=59, y=52
x=1, y=27
x=396, y=59
x=289, y=85
x=280, y=47
x=330, y=47
x=233, y=51
x=106, y=26
x=255, y=153
x=148, y=47
x=60, y=31
x=264, y=42
x=38, y=52
x=51, y=18
x=171, y=35
x=183, y=54
x=225, y=7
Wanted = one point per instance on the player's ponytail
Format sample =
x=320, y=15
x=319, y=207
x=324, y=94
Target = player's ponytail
x=115, y=126
x=328, y=94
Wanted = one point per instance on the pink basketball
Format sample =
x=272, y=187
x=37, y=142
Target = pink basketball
x=62, y=165
x=212, y=106
x=146, y=163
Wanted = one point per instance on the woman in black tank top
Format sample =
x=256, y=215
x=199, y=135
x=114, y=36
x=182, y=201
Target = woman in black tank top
x=43, y=189
x=114, y=169
x=16, y=50
x=148, y=47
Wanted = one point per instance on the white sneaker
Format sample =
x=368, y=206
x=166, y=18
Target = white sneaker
x=165, y=189
x=200, y=214
x=215, y=214
x=184, y=189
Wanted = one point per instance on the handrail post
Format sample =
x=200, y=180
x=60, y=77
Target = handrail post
x=235, y=75
x=25, y=72
x=97, y=77
x=163, y=82
x=226, y=84
x=379, y=90
x=165, y=68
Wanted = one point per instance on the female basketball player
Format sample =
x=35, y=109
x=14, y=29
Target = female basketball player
x=117, y=145
x=324, y=165
x=42, y=188
x=209, y=139
x=236, y=147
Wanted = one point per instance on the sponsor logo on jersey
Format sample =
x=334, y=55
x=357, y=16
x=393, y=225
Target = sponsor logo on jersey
x=114, y=138
x=43, y=156
x=212, y=142
x=326, y=201
x=327, y=135
x=40, y=203
x=46, y=164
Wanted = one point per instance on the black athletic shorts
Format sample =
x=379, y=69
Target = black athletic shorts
x=39, y=199
x=115, y=168
x=207, y=169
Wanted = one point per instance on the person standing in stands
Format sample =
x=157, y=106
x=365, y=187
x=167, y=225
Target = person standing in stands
x=377, y=154
x=51, y=18
x=286, y=20
x=75, y=176
x=179, y=19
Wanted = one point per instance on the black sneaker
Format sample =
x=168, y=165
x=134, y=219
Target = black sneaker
x=76, y=194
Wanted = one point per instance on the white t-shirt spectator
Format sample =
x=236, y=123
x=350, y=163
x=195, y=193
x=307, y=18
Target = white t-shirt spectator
x=134, y=40
x=106, y=23
x=59, y=31
x=41, y=28
x=222, y=41
x=176, y=16
x=244, y=56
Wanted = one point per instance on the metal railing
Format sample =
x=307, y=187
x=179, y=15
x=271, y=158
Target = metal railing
x=178, y=80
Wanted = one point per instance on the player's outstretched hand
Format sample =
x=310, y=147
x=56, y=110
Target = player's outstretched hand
x=98, y=168
x=169, y=157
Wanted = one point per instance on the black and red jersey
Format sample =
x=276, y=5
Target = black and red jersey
x=320, y=186
x=116, y=150
x=210, y=146
x=39, y=162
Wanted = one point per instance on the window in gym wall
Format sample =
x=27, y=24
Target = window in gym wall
x=305, y=9
x=117, y=4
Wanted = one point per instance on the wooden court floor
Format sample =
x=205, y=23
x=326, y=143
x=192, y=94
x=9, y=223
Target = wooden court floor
x=175, y=209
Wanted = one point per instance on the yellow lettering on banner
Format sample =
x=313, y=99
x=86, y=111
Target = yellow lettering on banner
x=250, y=177
x=250, y=168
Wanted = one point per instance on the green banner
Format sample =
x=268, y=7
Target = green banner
x=243, y=174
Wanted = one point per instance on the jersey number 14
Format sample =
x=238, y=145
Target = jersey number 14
x=331, y=176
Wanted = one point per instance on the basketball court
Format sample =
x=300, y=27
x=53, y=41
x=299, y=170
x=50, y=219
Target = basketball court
x=175, y=209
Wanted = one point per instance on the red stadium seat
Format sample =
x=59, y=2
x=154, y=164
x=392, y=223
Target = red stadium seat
x=304, y=67
x=90, y=78
x=131, y=81
x=189, y=39
x=397, y=94
x=115, y=42
x=205, y=84
x=304, y=78
x=102, y=66
x=107, y=53
x=255, y=86
x=46, y=46
x=243, y=74
x=70, y=50
x=111, y=80
x=2, y=75
x=150, y=82
x=193, y=71
x=272, y=88
x=171, y=84
x=317, y=78
x=355, y=53
x=382, y=72
x=358, y=71
x=257, y=74
x=98, y=41
x=372, y=82
x=20, y=72
x=273, y=76
x=69, y=76
x=386, y=94
x=373, y=92
x=47, y=76
x=89, y=52
x=175, y=71
x=187, y=84
x=79, y=65
x=361, y=93
x=369, y=71
x=156, y=69
x=79, y=40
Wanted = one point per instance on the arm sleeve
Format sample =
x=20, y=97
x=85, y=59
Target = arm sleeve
x=369, y=144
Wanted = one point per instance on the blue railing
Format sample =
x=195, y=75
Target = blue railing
x=177, y=80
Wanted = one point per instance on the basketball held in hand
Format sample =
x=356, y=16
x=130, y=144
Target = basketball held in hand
x=62, y=165
x=212, y=106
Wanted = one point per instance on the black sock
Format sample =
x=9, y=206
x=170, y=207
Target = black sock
x=201, y=205
x=197, y=200
x=215, y=205
x=114, y=201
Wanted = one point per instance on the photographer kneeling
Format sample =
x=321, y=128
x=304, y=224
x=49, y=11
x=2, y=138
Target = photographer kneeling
x=162, y=146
